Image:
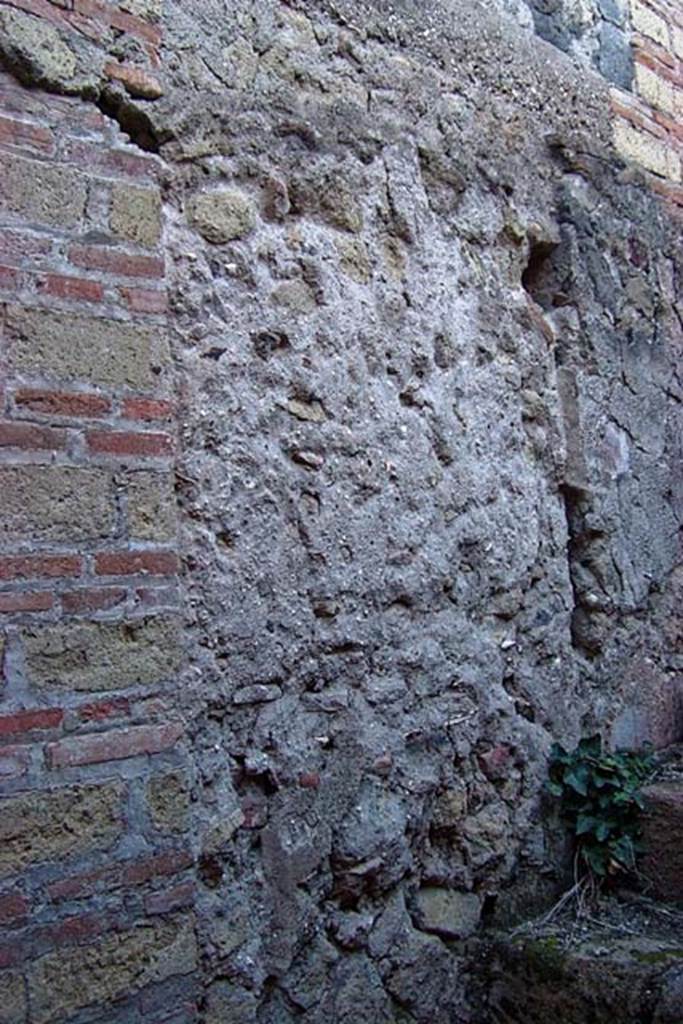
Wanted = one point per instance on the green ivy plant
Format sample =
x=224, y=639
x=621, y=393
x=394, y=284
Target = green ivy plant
x=600, y=801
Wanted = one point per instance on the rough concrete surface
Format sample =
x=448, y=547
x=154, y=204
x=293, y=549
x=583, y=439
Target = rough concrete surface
x=430, y=407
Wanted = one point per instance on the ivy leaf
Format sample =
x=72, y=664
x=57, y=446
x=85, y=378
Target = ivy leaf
x=585, y=823
x=623, y=851
x=601, y=781
x=602, y=831
x=591, y=746
x=596, y=860
x=599, y=800
x=577, y=779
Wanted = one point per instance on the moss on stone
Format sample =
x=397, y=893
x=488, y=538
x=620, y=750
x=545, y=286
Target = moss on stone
x=659, y=956
x=546, y=958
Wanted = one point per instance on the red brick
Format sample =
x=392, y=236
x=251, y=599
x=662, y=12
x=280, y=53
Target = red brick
x=143, y=300
x=128, y=563
x=39, y=601
x=642, y=44
x=638, y=115
x=42, y=9
x=669, y=126
x=101, y=710
x=92, y=599
x=37, y=106
x=62, y=403
x=655, y=63
x=117, y=162
x=9, y=278
x=135, y=27
x=136, y=81
x=75, y=929
x=309, y=780
x=21, y=133
x=14, y=761
x=78, y=288
x=29, y=721
x=81, y=885
x=94, y=28
x=93, y=9
x=99, y=15
x=123, y=443
x=29, y=435
x=14, y=567
x=182, y=895
x=670, y=191
x=13, y=907
x=169, y=863
x=113, y=261
x=147, y=409
x=116, y=745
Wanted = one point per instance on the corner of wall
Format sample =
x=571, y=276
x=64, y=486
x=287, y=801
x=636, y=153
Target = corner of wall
x=96, y=882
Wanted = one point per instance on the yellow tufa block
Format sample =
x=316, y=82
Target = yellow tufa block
x=652, y=154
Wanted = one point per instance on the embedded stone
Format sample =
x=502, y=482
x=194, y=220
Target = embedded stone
x=100, y=656
x=67, y=347
x=296, y=296
x=258, y=693
x=662, y=824
x=136, y=214
x=37, y=47
x=64, y=982
x=51, y=825
x=151, y=506
x=42, y=193
x=56, y=503
x=312, y=412
x=353, y=259
x=221, y=215
x=452, y=915
x=168, y=799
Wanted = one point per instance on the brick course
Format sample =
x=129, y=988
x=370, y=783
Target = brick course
x=162, y=563
x=29, y=721
x=86, y=418
x=92, y=599
x=116, y=745
x=56, y=403
x=647, y=121
x=125, y=443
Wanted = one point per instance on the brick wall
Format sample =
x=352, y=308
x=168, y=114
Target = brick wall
x=96, y=874
x=82, y=46
x=649, y=119
x=637, y=47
